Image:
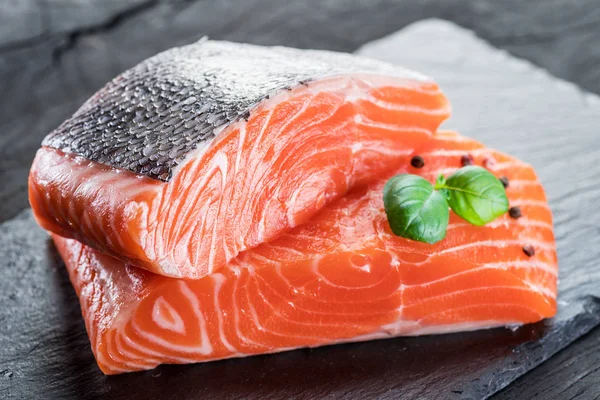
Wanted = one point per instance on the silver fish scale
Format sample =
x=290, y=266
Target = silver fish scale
x=149, y=118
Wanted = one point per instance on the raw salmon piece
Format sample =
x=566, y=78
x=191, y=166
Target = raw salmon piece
x=341, y=277
x=207, y=150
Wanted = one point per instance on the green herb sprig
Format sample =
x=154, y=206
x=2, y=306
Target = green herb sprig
x=419, y=211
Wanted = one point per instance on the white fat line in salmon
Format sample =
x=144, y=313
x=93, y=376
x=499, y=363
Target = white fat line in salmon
x=205, y=347
x=495, y=243
x=218, y=280
x=540, y=316
x=397, y=107
x=462, y=291
x=173, y=322
x=522, y=221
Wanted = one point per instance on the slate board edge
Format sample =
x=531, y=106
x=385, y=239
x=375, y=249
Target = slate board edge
x=500, y=54
x=492, y=381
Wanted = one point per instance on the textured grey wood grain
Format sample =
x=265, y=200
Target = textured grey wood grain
x=55, y=53
x=509, y=104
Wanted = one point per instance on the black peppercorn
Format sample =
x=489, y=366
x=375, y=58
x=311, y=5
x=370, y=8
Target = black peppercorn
x=467, y=159
x=417, y=162
x=514, y=212
x=529, y=250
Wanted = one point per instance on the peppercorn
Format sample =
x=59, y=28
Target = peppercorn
x=467, y=159
x=529, y=250
x=417, y=162
x=515, y=212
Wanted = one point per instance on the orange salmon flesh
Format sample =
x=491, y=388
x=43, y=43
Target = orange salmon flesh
x=298, y=151
x=341, y=276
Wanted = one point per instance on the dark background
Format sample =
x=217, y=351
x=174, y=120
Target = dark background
x=55, y=54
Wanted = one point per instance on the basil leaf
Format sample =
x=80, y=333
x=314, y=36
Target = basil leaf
x=475, y=195
x=414, y=210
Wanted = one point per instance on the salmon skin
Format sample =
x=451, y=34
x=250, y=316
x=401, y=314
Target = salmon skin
x=207, y=150
x=343, y=276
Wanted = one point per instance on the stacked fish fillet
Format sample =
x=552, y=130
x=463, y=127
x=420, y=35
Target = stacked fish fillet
x=222, y=200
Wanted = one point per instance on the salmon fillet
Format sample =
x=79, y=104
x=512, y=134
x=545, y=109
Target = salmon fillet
x=343, y=276
x=207, y=150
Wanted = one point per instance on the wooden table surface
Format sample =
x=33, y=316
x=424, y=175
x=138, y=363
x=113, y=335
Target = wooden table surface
x=55, y=54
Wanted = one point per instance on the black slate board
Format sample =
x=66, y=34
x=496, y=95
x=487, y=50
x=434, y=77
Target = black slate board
x=508, y=104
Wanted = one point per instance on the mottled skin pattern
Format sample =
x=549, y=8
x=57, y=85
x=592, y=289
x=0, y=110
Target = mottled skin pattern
x=150, y=117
